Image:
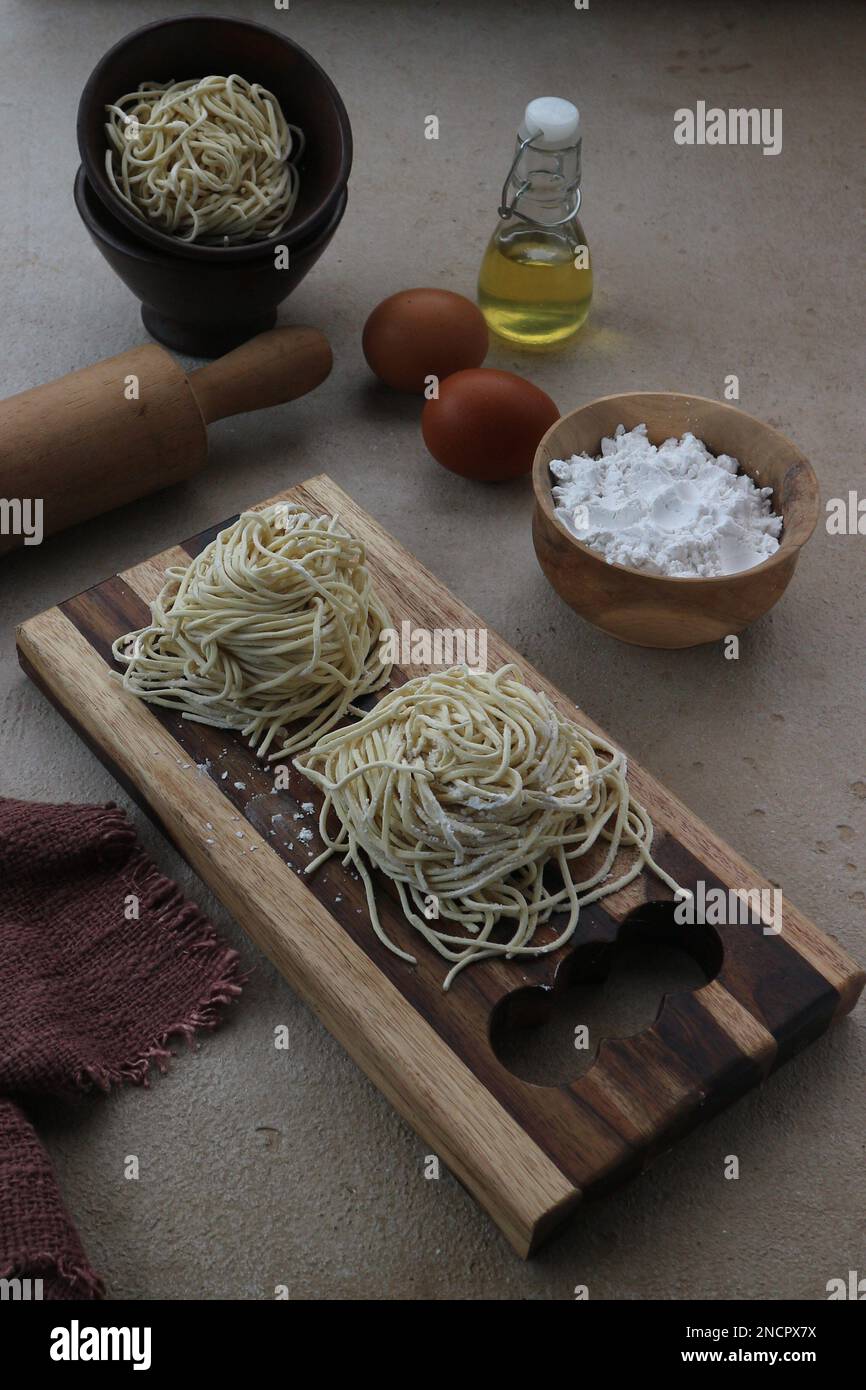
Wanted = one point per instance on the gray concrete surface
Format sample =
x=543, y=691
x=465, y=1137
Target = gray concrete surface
x=260, y=1168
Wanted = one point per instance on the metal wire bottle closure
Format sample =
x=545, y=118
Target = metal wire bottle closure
x=507, y=209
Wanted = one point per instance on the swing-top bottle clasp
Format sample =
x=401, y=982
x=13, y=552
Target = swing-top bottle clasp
x=511, y=209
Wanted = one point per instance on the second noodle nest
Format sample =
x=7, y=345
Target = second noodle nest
x=462, y=787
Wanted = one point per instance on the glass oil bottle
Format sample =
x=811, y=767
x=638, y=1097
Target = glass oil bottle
x=535, y=283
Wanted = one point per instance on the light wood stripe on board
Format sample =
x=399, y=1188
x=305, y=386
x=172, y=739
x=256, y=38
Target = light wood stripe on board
x=751, y=1038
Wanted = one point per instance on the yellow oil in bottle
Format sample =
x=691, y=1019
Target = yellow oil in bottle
x=535, y=286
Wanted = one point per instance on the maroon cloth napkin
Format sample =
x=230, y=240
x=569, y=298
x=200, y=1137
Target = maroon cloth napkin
x=90, y=995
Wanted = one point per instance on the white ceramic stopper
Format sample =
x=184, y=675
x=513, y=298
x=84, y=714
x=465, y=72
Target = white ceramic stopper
x=552, y=122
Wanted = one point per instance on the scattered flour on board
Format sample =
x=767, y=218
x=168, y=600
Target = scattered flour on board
x=675, y=510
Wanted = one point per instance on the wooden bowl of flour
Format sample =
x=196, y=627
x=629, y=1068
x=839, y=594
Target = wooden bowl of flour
x=654, y=610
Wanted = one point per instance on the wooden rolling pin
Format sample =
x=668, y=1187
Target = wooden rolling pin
x=135, y=423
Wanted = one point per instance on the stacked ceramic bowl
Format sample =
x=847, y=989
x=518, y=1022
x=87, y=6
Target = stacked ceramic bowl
x=201, y=299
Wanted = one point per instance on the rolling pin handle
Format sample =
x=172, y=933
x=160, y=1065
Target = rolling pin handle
x=272, y=368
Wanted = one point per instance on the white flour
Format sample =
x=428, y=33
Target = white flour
x=673, y=510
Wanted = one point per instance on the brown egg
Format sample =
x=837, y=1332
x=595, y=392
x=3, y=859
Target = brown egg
x=486, y=424
x=421, y=333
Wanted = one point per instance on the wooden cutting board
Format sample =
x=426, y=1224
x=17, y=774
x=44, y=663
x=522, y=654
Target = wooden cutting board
x=527, y=1153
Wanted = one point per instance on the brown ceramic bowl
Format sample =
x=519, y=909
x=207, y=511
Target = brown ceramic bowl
x=650, y=610
x=204, y=309
x=196, y=46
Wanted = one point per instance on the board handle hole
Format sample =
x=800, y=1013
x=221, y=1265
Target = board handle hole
x=606, y=990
